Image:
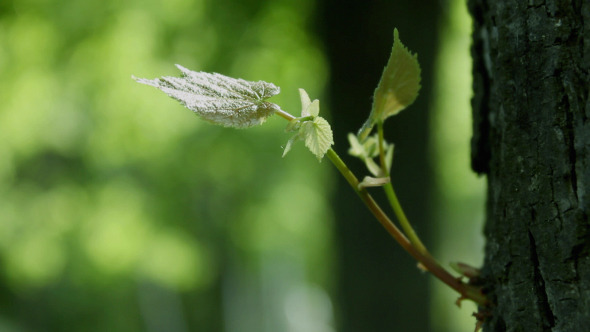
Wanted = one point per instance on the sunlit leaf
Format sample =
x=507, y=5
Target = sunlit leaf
x=398, y=87
x=399, y=83
x=308, y=108
x=305, y=102
x=311, y=128
x=314, y=108
x=222, y=100
x=318, y=136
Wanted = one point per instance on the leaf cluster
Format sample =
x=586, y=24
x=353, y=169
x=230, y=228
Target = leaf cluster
x=311, y=128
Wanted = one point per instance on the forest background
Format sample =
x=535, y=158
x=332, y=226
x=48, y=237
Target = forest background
x=121, y=211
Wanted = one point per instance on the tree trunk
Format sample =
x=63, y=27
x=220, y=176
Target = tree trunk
x=531, y=138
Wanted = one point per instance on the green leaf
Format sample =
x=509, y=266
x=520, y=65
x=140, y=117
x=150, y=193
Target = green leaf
x=318, y=136
x=311, y=128
x=308, y=108
x=290, y=144
x=305, y=102
x=314, y=108
x=356, y=148
x=400, y=82
x=222, y=100
x=369, y=149
x=398, y=87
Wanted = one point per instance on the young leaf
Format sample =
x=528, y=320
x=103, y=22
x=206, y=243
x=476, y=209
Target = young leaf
x=398, y=87
x=356, y=148
x=290, y=144
x=369, y=149
x=222, y=100
x=308, y=108
x=318, y=136
x=305, y=102
x=313, y=109
x=311, y=128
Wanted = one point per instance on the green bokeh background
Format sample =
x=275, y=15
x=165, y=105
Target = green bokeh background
x=121, y=211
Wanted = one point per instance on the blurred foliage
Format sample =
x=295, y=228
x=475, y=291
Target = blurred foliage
x=459, y=204
x=119, y=209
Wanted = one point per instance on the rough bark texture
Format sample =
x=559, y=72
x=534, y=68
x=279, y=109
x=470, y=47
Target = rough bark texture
x=532, y=138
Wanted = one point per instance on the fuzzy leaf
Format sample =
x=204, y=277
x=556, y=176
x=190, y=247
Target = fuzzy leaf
x=222, y=100
x=318, y=136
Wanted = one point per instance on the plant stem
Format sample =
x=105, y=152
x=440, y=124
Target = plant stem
x=395, y=204
x=284, y=114
x=467, y=291
x=427, y=261
x=370, y=202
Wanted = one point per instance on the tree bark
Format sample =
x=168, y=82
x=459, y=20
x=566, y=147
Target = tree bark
x=531, y=112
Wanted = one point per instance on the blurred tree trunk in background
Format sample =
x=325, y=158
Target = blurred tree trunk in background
x=532, y=139
x=379, y=288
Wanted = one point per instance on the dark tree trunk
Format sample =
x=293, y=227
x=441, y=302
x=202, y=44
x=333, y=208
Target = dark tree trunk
x=532, y=138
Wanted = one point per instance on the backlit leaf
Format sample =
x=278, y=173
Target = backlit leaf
x=311, y=128
x=305, y=102
x=222, y=100
x=318, y=136
x=399, y=83
x=398, y=87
